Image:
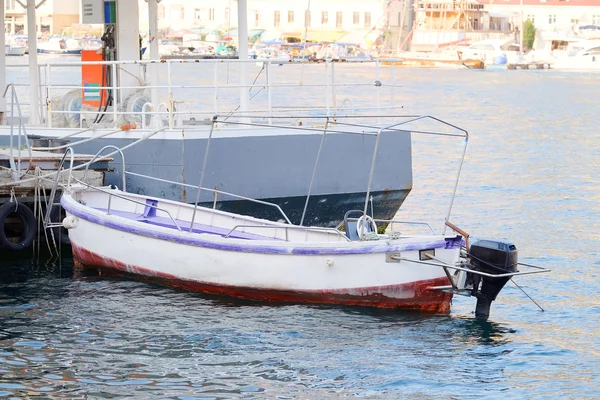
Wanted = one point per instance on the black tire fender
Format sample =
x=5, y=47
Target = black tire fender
x=29, y=226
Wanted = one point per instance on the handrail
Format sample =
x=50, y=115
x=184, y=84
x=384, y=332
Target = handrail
x=296, y=227
x=390, y=221
x=312, y=178
x=237, y=196
x=214, y=88
x=50, y=201
x=96, y=157
x=127, y=199
x=539, y=270
x=204, y=162
x=14, y=100
x=387, y=128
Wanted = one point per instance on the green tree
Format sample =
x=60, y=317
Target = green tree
x=528, y=34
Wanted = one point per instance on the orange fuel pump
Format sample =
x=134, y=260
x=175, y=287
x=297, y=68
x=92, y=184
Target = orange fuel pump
x=93, y=77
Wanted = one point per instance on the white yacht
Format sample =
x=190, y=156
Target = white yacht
x=583, y=55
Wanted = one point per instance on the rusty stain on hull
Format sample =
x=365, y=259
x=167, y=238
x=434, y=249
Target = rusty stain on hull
x=410, y=296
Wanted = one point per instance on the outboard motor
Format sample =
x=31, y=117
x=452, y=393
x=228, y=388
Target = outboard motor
x=491, y=257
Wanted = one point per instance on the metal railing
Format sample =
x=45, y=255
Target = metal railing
x=292, y=227
x=208, y=89
x=112, y=194
x=338, y=126
x=216, y=191
x=21, y=132
x=366, y=130
x=391, y=222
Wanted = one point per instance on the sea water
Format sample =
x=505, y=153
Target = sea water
x=530, y=177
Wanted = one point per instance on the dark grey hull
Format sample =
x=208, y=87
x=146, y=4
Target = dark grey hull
x=265, y=164
x=323, y=210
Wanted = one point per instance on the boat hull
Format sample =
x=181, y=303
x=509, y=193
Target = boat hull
x=14, y=51
x=241, y=162
x=340, y=272
x=75, y=52
x=409, y=296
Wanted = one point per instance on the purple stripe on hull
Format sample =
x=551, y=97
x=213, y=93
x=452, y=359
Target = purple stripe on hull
x=151, y=219
x=141, y=229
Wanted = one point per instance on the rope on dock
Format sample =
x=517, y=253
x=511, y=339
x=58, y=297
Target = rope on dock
x=80, y=166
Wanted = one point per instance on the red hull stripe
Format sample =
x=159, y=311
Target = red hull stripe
x=423, y=299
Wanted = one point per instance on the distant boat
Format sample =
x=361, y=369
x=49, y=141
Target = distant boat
x=16, y=45
x=584, y=55
x=60, y=45
x=14, y=50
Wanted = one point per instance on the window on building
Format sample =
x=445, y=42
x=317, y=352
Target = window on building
x=324, y=17
x=552, y=19
x=211, y=14
x=367, y=20
x=197, y=14
x=399, y=19
x=256, y=18
x=307, y=18
x=182, y=13
x=575, y=21
x=290, y=17
x=161, y=11
x=277, y=19
x=595, y=19
x=531, y=17
x=227, y=14
x=338, y=19
x=355, y=18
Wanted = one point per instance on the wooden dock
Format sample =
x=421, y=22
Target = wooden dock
x=21, y=189
x=47, y=162
x=530, y=65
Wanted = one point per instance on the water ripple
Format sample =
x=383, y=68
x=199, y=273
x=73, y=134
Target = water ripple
x=530, y=177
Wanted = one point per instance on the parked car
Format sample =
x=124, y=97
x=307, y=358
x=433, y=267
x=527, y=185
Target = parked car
x=493, y=50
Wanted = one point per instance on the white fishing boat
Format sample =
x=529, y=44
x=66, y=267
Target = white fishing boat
x=212, y=251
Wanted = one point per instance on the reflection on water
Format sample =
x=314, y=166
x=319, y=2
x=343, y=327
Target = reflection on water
x=81, y=336
x=530, y=177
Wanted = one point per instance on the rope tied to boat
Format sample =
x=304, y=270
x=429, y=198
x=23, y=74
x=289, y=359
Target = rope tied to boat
x=13, y=198
x=368, y=236
x=395, y=235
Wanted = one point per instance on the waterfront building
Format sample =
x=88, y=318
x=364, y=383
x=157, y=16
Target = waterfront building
x=52, y=16
x=443, y=22
x=440, y=23
x=557, y=16
x=366, y=22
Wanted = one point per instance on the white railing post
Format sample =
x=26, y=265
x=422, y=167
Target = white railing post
x=392, y=88
x=378, y=87
x=2, y=68
x=327, y=86
x=333, y=99
x=216, y=90
x=171, y=99
x=48, y=98
x=34, y=79
x=114, y=91
x=269, y=92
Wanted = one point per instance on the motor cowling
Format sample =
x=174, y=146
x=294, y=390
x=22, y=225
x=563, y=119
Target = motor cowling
x=491, y=257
